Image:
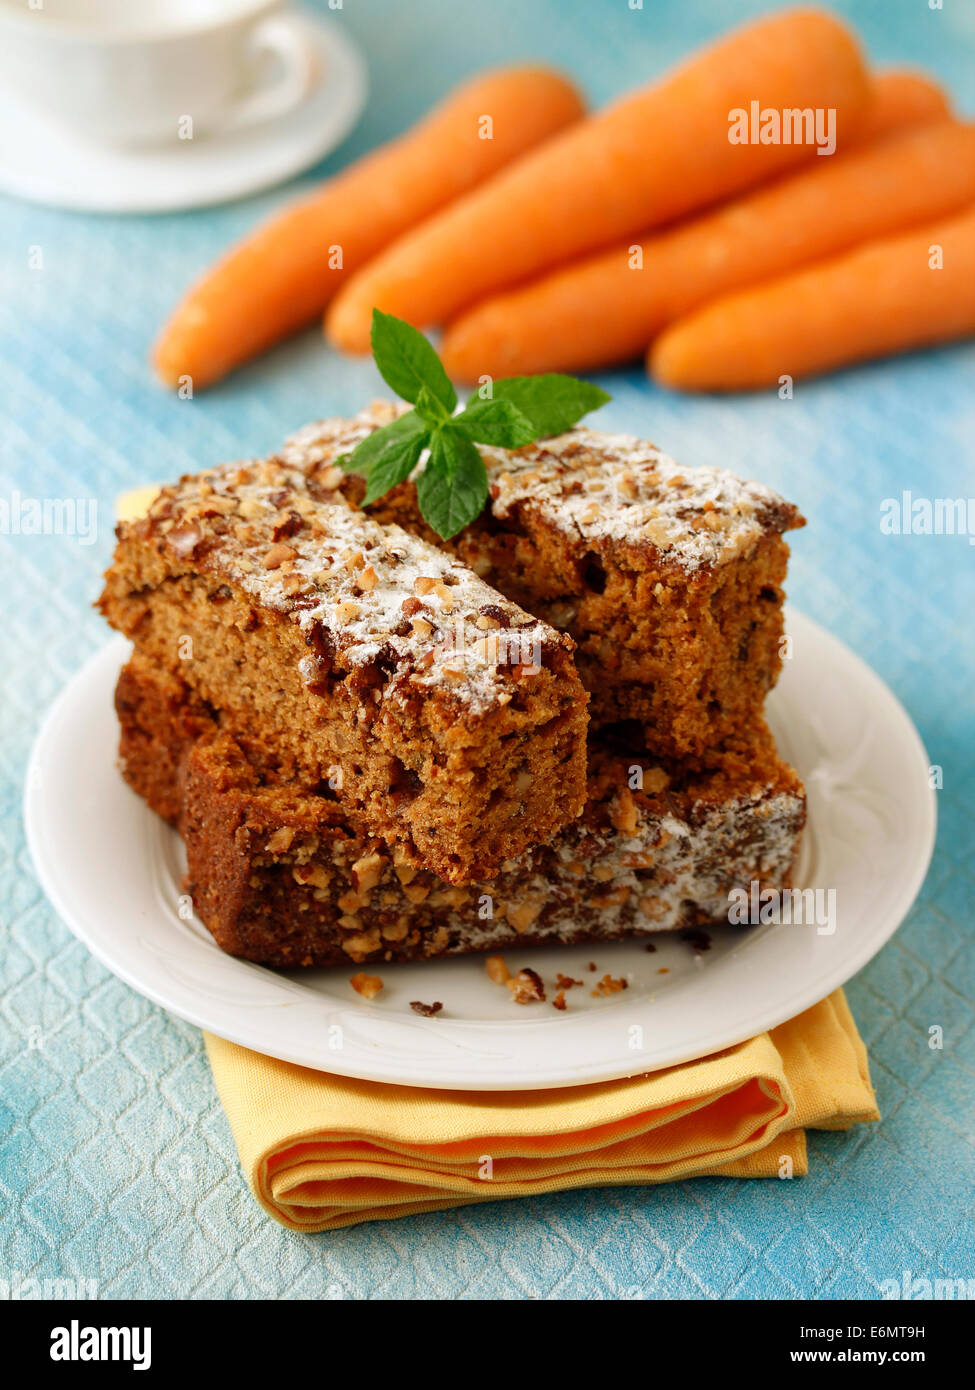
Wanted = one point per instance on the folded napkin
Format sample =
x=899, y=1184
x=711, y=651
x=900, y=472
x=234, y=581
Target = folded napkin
x=322, y=1151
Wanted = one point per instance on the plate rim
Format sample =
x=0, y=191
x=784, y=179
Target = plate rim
x=357, y=1063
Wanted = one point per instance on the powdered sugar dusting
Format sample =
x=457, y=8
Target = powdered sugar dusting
x=667, y=863
x=616, y=488
x=600, y=488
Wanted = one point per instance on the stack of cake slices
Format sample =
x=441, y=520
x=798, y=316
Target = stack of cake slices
x=379, y=746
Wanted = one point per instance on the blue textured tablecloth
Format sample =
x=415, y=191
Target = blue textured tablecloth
x=116, y=1163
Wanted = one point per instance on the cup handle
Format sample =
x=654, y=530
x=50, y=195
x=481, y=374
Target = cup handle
x=291, y=39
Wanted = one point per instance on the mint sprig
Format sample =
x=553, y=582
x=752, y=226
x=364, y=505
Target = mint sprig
x=452, y=487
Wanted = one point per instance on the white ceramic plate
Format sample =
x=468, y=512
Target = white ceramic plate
x=47, y=163
x=112, y=871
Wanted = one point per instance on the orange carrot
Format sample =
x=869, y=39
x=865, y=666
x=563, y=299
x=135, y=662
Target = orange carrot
x=901, y=97
x=608, y=307
x=280, y=277
x=658, y=153
x=882, y=298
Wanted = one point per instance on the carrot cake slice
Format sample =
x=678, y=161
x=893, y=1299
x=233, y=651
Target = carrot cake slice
x=668, y=578
x=450, y=722
x=281, y=875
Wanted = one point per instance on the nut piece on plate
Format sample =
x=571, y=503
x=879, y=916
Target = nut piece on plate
x=366, y=985
x=497, y=969
x=527, y=987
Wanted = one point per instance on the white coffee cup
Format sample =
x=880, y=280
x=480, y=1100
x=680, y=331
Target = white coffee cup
x=129, y=72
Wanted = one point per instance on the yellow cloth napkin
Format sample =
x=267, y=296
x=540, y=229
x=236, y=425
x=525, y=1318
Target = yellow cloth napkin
x=322, y=1151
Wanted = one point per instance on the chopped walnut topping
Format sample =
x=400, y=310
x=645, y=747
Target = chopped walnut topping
x=613, y=897
x=184, y=539
x=361, y=945
x=416, y=892
x=314, y=875
x=652, y=907
x=366, y=985
x=367, y=871
x=421, y=627
x=281, y=840
x=368, y=580
x=624, y=816
x=277, y=555
x=522, y=915
x=290, y=526
x=487, y=647
x=423, y=584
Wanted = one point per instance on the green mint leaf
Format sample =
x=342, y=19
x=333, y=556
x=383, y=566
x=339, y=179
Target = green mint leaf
x=394, y=465
x=552, y=402
x=368, y=450
x=408, y=362
x=495, y=422
x=453, y=487
x=430, y=408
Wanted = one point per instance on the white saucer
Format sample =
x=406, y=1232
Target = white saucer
x=46, y=163
x=112, y=871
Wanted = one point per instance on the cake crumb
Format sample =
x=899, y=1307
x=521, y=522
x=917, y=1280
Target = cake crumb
x=497, y=969
x=609, y=985
x=527, y=987
x=425, y=1010
x=559, y=1001
x=366, y=985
